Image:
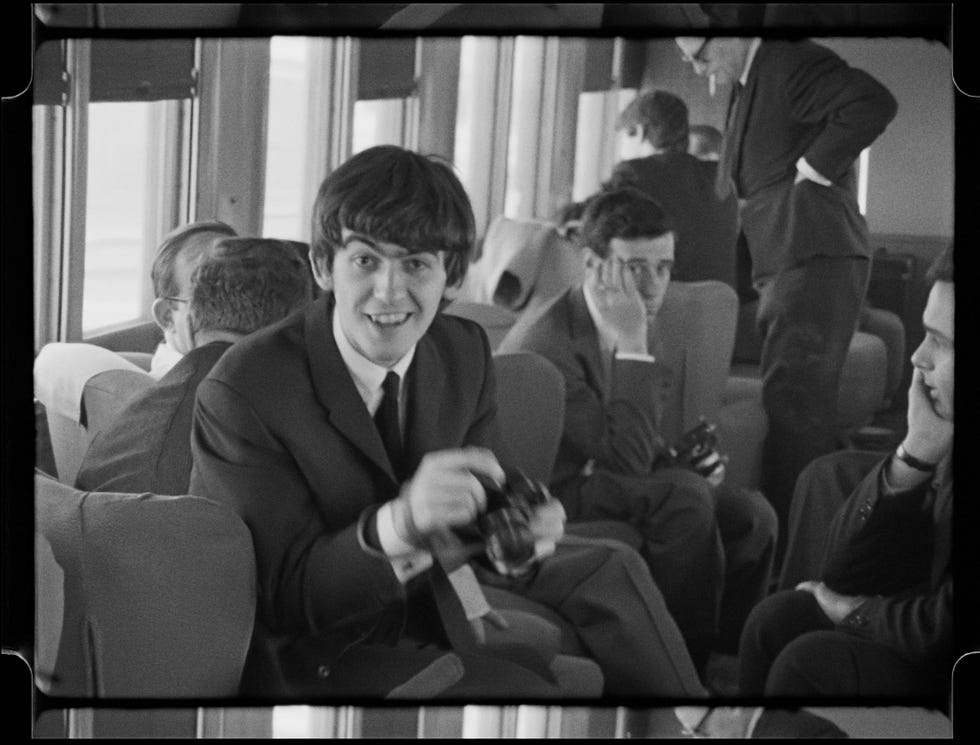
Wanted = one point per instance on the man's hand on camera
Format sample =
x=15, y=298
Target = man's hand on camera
x=445, y=492
x=547, y=524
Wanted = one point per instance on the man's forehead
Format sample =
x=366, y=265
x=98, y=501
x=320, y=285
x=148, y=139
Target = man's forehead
x=654, y=249
x=940, y=308
x=388, y=248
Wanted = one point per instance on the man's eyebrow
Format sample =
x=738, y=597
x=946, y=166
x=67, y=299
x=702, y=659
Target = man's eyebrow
x=936, y=332
x=360, y=237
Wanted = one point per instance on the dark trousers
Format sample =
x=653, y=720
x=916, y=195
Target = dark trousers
x=821, y=489
x=603, y=589
x=791, y=649
x=709, y=551
x=806, y=319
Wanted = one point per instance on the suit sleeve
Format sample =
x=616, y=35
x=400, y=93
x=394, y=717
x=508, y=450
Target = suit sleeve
x=881, y=546
x=238, y=460
x=852, y=107
x=919, y=627
x=619, y=434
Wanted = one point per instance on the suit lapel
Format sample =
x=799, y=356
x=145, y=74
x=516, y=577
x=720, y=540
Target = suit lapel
x=742, y=111
x=335, y=388
x=427, y=374
x=585, y=339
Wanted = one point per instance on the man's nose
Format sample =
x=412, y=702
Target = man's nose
x=389, y=283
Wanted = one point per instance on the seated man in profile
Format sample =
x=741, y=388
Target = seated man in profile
x=878, y=619
x=178, y=254
x=601, y=335
x=239, y=286
x=359, y=440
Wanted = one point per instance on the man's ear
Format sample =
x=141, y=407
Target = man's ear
x=161, y=311
x=321, y=274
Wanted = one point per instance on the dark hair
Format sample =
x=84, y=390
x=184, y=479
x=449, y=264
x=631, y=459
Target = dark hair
x=244, y=284
x=394, y=195
x=662, y=116
x=622, y=213
x=162, y=271
x=941, y=269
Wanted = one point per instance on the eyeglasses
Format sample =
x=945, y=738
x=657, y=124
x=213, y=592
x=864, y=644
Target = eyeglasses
x=698, y=58
x=178, y=299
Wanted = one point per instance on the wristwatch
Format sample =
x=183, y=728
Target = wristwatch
x=912, y=462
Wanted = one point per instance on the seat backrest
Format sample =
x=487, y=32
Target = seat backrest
x=530, y=410
x=496, y=321
x=523, y=264
x=156, y=595
x=693, y=335
x=106, y=394
x=61, y=373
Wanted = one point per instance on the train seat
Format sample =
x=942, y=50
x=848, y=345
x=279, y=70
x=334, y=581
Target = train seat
x=872, y=371
x=140, y=596
x=527, y=263
x=496, y=320
x=81, y=386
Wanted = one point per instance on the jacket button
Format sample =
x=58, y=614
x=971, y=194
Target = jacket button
x=323, y=671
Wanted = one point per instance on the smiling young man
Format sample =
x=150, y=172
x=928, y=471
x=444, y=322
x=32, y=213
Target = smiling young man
x=879, y=620
x=357, y=439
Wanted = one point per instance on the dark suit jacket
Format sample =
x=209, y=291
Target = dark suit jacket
x=801, y=99
x=281, y=434
x=706, y=226
x=897, y=549
x=147, y=446
x=612, y=422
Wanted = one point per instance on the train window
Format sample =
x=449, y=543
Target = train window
x=482, y=114
x=287, y=157
x=523, y=144
x=112, y=150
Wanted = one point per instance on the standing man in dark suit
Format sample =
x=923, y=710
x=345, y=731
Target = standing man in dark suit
x=358, y=440
x=879, y=621
x=799, y=119
x=238, y=286
x=704, y=225
x=709, y=547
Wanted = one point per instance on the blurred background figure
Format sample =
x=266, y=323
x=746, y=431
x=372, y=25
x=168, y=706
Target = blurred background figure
x=705, y=225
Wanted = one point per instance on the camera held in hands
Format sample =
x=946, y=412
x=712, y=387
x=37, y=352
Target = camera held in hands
x=505, y=525
x=692, y=449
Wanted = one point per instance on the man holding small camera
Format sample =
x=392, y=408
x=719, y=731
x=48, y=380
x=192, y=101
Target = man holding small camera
x=709, y=547
x=359, y=442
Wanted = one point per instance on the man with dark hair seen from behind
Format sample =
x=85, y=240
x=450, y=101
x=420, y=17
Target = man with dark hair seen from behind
x=878, y=621
x=705, y=227
x=799, y=118
x=175, y=259
x=239, y=285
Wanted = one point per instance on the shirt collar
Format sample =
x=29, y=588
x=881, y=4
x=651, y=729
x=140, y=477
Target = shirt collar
x=753, y=48
x=368, y=376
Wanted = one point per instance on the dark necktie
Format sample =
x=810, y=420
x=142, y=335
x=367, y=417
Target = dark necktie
x=723, y=182
x=448, y=599
x=386, y=420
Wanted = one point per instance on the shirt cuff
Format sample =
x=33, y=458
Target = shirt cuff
x=406, y=560
x=810, y=173
x=635, y=356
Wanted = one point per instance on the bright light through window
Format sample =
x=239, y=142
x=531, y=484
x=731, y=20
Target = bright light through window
x=116, y=212
x=286, y=152
x=378, y=122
